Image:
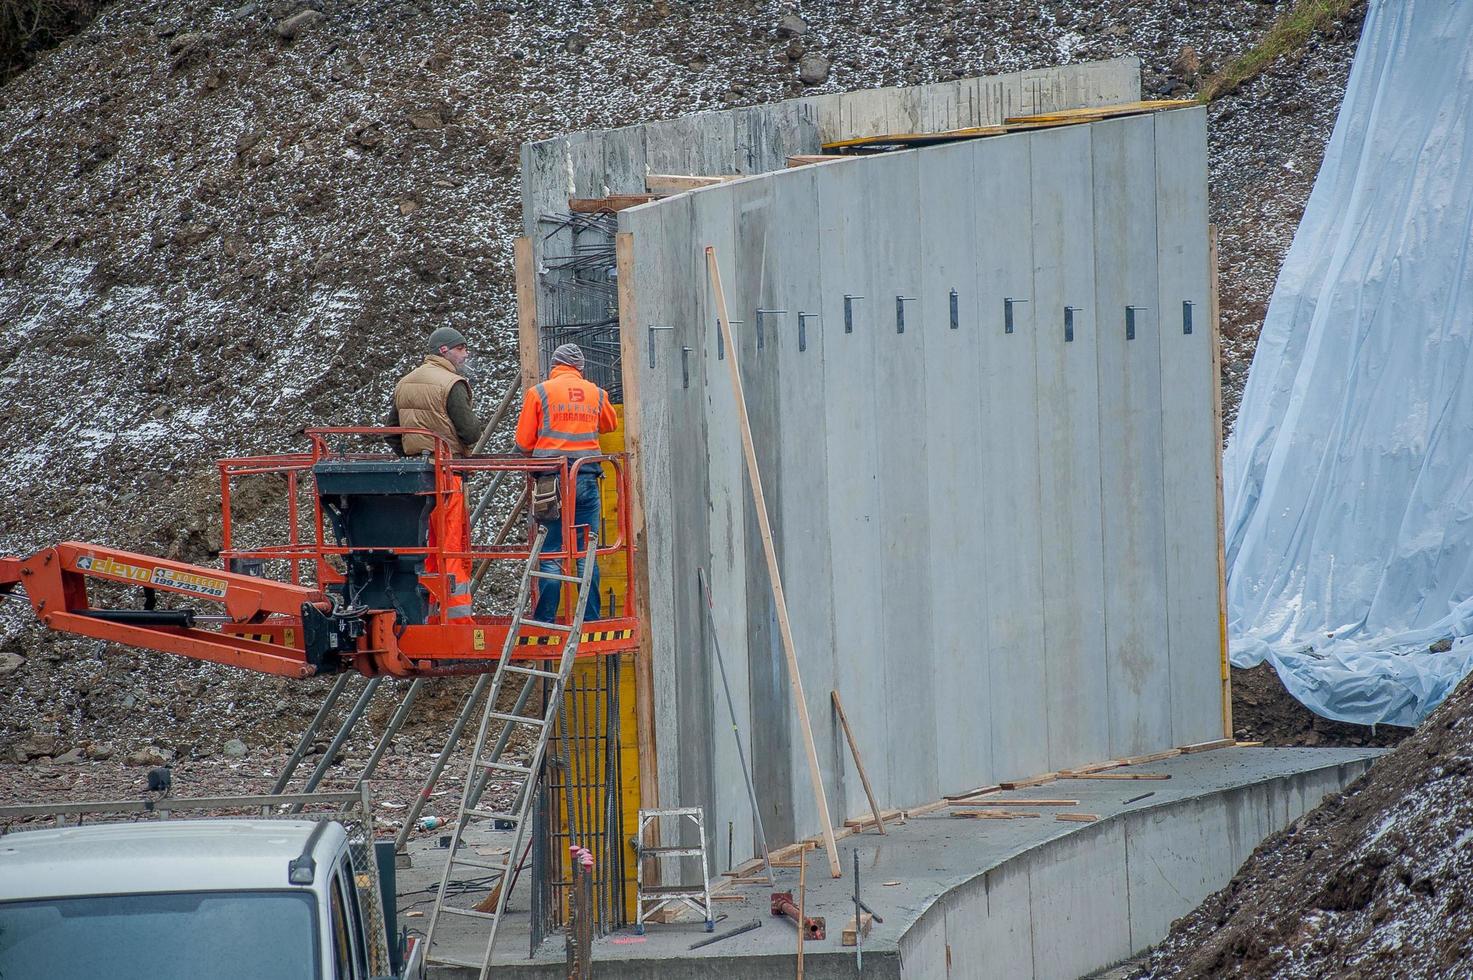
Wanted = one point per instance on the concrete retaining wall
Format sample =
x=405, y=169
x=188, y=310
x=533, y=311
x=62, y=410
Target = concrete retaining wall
x=1000, y=547
x=759, y=139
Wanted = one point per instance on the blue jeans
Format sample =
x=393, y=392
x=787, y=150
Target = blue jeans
x=585, y=511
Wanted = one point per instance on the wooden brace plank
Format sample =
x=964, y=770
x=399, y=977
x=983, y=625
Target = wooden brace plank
x=614, y=202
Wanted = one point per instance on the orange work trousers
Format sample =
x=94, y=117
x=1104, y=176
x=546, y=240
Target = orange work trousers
x=451, y=519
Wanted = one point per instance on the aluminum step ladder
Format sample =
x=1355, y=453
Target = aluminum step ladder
x=485, y=765
x=652, y=898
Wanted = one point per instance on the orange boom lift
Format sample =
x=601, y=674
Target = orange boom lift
x=351, y=594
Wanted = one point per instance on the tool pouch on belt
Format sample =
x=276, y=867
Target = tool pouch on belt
x=545, y=497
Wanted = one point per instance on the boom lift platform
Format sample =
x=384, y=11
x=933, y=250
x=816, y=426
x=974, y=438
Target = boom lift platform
x=356, y=595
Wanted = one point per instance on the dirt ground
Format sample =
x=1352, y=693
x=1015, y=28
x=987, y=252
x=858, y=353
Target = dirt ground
x=1374, y=883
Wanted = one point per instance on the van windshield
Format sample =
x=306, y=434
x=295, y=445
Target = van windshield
x=172, y=936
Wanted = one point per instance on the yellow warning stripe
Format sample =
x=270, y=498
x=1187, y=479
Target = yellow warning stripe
x=601, y=636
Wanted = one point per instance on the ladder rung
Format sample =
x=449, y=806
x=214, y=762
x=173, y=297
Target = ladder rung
x=506, y=767
x=469, y=913
x=520, y=719
x=557, y=577
x=671, y=851
x=547, y=626
x=478, y=863
x=671, y=891
x=493, y=815
x=532, y=671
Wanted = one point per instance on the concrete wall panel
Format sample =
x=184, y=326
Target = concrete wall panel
x=1007, y=419
x=971, y=523
x=1069, y=451
x=795, y=271
x=1189, y=437
x=902, y=422
x=751, y=289
x=726, y=569
x=652, y=274
x=1173, y=860
x=951, y=326
x=851, y=450
x=1137, y=644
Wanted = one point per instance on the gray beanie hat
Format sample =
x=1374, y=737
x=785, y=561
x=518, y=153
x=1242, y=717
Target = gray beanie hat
x=569, y=354
x=445, y=337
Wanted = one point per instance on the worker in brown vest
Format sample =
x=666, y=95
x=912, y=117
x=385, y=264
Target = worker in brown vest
x=437, y=396
x=561, y=419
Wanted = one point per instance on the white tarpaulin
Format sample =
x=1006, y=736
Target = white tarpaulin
x=1349, y=474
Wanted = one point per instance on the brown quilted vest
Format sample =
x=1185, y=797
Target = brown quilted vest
x=420, y=397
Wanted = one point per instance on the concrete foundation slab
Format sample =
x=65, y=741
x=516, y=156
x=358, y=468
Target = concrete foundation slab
x=1029, y=897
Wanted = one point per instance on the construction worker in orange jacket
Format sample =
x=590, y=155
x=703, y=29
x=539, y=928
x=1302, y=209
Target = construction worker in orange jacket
x=561, y=419
x=437, y=396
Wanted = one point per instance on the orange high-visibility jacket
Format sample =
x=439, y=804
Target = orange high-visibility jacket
x=564, y=415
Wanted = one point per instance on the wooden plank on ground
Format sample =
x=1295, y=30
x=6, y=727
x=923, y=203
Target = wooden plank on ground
x=1077, y=817
x=1216, y=743
x=971, y=794
x=614, y=202
x=863, y=823
x=853, y=930
x=991, y=814
x=1017, y=802
x=1139, y=760
x=1115, y=775
x=1038, y=780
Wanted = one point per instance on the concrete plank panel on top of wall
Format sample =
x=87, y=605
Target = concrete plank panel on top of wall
x=1079, y=882
x=1069, y=450
x=904, y=647
x=703, y=144
x=853, y=506
x=956, y=479
x=651, y=281
x=624, y=160
x=772, y=710
x=1137, y=643
x=765, y=136
x=792, y=265
x=726, y=564
x=1006, y=415
x=686, y=312
x=1189, y=436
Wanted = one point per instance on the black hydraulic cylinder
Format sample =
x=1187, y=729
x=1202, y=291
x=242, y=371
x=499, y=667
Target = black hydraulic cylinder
x=183, y=618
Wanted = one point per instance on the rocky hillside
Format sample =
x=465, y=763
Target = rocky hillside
x=219, y=226
x=1373, y=883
